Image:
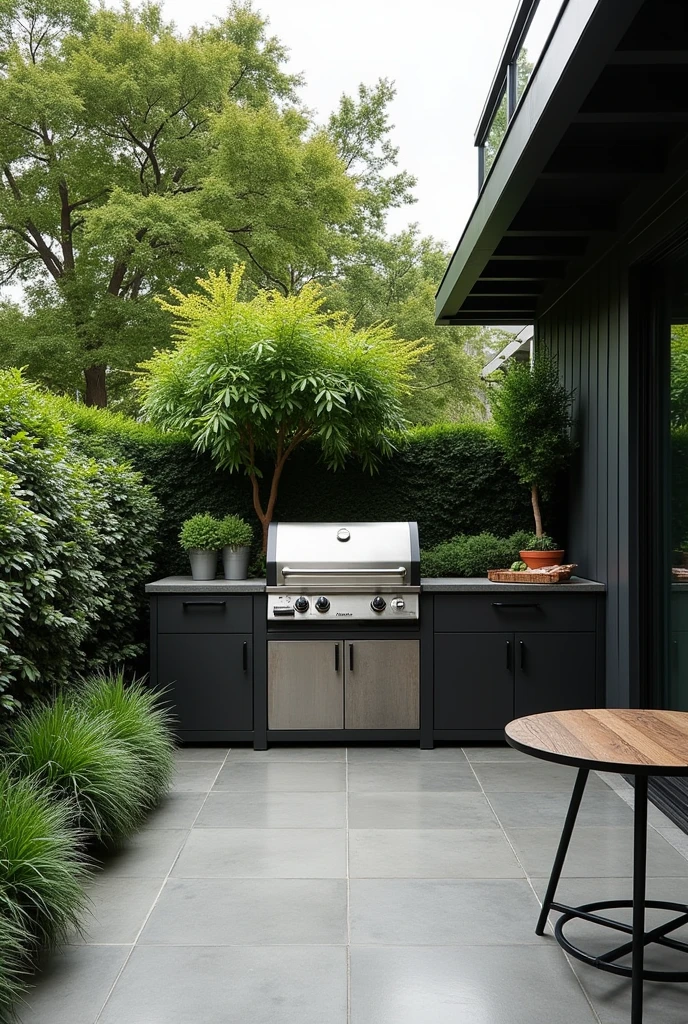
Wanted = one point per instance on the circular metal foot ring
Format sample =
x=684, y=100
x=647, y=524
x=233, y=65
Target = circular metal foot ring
x=606, y=961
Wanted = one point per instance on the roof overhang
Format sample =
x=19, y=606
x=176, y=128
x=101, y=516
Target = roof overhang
x=603, y=109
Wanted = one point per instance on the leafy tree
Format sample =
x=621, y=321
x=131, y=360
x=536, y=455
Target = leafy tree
x=500, y=121
x=532, y=414
x=133, y=158
x=395, y=280
x=250, y=382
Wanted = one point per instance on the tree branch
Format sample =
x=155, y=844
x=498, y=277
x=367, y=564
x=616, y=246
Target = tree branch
x=263, y=270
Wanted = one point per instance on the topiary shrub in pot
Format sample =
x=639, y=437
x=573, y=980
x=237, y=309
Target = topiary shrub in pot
x=201, y=537
x=236, y=547
x=532, y=413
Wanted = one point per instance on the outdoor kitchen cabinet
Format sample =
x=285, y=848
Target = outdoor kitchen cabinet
x=499, y=655
x=202, y=657
x=337, y=684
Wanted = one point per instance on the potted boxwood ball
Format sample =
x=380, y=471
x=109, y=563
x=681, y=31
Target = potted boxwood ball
x=201, y=537
x=236, y=547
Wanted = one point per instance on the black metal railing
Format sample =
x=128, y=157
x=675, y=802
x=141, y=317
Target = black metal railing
x=534, y=23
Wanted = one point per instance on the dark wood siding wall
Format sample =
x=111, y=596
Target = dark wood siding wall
x=588, y=331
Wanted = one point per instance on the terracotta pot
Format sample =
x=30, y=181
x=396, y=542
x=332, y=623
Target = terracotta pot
x=541, y=559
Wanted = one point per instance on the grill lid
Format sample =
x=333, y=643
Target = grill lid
x=312, y=555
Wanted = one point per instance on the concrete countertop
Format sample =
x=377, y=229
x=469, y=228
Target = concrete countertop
x=185, y=585
x=444, y=585
x=480, y=584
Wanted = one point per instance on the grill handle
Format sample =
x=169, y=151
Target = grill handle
x=287, y=571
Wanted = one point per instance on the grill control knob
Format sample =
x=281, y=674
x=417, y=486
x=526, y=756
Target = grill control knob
x=322, y=604
x=301, y=604
x=398, y=604
x=378, y=604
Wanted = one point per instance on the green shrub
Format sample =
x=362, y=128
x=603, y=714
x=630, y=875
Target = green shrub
x=76, y=537
x=236, y=533
x=201, y=531
x=137, y=719
x=41, y=865
x=79, y=756
x=468, y=556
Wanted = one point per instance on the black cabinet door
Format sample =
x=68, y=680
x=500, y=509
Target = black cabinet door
x=474, y=680
x=209, y=680
x=554, y=672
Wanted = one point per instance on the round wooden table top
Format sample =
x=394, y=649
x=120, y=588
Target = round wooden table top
x=607, y=739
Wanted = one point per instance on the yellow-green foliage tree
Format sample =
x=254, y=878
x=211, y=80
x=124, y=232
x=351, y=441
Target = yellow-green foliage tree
x=250, y=381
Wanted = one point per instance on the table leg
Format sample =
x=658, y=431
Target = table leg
x=571, y=816
x=639, y=873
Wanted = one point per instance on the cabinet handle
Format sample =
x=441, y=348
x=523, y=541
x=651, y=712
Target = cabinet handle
x=515, y=604
x=675, y=653
x=522, y=651
x=336, y=657
x=351, y=657
x=244, y=655
x=198, y=604
x=508, y=655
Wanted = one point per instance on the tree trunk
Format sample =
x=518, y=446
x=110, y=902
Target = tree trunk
x=535, y=500
x=96, y=387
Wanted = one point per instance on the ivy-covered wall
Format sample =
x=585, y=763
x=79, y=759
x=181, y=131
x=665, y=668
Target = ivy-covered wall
x=450, y=479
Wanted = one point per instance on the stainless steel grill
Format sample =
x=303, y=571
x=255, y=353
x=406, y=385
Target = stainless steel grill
x=319, y=572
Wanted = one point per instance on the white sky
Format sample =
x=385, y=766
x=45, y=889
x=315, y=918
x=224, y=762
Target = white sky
x=442, y=55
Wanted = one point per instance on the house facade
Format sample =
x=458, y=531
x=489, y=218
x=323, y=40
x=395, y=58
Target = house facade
x=581, y=228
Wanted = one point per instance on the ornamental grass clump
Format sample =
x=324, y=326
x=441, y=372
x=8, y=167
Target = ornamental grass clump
x=139, y=720
x=42, y=870
x=13, y=967
x=99, y=776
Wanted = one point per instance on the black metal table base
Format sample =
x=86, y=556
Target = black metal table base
x=639, y=938
x=607, y=961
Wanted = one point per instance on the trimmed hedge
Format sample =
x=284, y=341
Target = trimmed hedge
x=470, y=556
x=451, y=479
x=76, y=537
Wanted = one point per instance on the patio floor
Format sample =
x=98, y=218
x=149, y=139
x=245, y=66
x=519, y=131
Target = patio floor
x=368, y=886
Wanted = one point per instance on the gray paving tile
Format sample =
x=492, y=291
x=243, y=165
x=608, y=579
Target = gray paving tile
x=431, y=853
x=497, y=752
x=409, y=755
x=286, y=753
x=273, y=810
x=231, y=985
x=194, y=776
x=481, y=985
x=148, y=854
x=283, y=776
x=73, y=985
x=595, y=852
x=118, y=908
x=263, y=853
x=532, y=777
x=420, y=810
x=215, y=754
x=540, y=810
x=177, y=810
x=419, y=912
x=246, y=911
x=402, y=776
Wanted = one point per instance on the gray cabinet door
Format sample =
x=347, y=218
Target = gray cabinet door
x=554, y=672
x=382, y=684
x=305, y=684
x=208, y=679
x=474, y=680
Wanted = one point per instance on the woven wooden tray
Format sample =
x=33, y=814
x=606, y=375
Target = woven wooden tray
x=552, y=574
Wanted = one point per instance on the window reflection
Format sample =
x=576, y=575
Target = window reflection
x=677, y=695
